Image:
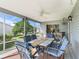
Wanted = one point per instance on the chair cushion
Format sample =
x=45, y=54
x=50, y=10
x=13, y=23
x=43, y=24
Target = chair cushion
x=54, y=52
x=64, y=44
x=33, y=37
x=49, y=35
x=27, y=38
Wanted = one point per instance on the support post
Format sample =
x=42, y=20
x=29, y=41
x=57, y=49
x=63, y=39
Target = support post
x=4, y=34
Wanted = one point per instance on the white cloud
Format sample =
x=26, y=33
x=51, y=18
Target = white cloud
x=7, y=21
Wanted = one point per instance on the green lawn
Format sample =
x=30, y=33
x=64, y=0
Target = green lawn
x=1, y=47
x=11, y=44
x=8, y=45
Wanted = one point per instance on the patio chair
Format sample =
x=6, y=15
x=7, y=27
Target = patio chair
x=49, y=35
x=24, y=52
x=27, y=38
x=33, y=37
x=58, y=52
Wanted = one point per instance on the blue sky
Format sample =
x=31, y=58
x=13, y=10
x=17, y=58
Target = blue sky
x=9, y=19
x=34, y=24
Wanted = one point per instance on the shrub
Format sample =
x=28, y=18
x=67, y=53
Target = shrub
x=7, y=37
x=1, y=38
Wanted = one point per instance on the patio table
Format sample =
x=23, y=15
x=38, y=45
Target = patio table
x=45, y=45
x=44, y=42
x=41, y=41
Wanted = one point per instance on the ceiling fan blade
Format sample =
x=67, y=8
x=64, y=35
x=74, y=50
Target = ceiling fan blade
x=71, y=2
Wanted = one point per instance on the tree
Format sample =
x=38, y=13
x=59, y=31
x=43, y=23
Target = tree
x=19, y=27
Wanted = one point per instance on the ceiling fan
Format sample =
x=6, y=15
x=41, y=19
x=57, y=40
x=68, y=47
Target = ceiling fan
x=43, y=13
x=71, y=1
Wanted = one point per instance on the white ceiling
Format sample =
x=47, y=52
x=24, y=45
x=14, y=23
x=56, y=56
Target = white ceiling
x=40, y=10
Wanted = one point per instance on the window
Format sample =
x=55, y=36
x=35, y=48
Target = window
x=13, y=28
x=9, y=26
x=1, y=32
x=35, y=27
x=52, y=28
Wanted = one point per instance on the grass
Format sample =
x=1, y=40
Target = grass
x=8, y=45
x=1, y=47
x=11, y=44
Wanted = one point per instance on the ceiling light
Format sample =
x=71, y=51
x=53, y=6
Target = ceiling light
x=70, y=18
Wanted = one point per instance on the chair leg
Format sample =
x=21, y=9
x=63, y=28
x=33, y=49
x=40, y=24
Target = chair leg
x=62, y=57
x=20, y=56
x=19, y=53
x=57, y=58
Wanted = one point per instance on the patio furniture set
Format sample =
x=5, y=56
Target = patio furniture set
x=50, y=46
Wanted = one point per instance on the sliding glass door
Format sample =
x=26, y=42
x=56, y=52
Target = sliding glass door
x=11, y=29
x=35, y=26
x=1, y=32
x=14, y=28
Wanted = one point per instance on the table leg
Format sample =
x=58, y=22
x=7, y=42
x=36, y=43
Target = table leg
x=43, y=52
x=47, y=53
x=62, y=57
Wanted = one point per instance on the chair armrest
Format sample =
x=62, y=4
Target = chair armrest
x=20, y=43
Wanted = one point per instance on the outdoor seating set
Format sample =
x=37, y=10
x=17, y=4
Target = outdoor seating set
x=51, y=46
